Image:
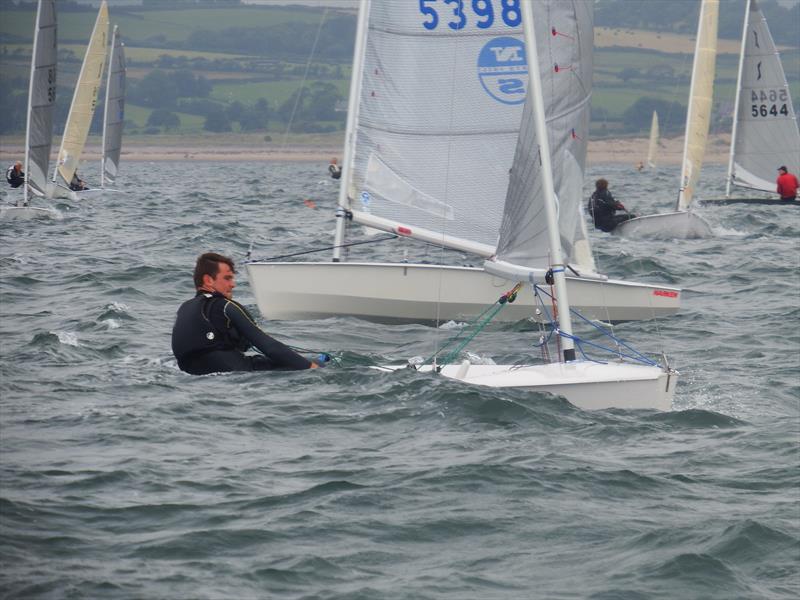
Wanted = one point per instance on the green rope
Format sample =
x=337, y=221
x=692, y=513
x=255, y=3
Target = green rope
x=475, y=327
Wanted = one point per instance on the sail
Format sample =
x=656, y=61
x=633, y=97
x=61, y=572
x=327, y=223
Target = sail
x=115, y=110
x=652, y=146
x=84, y=99
x=41, y=99
x=440, y=107
x=765, y=132
x=564, y=31
x=698, y=119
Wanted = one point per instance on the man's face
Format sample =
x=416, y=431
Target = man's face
x=223, y=283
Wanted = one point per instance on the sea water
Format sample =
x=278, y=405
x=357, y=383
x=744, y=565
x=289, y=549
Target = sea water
x=122, y=477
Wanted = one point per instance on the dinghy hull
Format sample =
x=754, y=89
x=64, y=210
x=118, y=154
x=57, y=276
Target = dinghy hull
x=587, y=385
x=679, y=224
x=417, y=293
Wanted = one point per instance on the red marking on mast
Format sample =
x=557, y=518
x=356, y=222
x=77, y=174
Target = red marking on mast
x=403, y=231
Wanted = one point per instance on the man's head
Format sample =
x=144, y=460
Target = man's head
x=783, y=170
x=601, y=184
x=18, y=165
x=215, y=273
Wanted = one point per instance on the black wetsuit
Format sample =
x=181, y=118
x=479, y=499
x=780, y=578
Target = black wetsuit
x=211, y=334
x=602, y=207
x=335, y=170
x=14, y=179
x=77, y=184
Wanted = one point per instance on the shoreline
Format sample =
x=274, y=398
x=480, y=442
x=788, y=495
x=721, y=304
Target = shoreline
x=606, y=151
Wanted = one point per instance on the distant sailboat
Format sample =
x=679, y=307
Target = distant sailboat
x=765, y=133
x=652, y=146
x=81, y=111
x=114, y=115
x=530, y=218
x=427, y=156
x=41, y=102
x=682, y=222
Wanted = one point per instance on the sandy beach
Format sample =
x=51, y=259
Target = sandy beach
x=323, y=148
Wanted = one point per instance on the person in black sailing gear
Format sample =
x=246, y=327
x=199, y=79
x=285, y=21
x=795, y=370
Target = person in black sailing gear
x=14, y=175
x=602, y=207
x=334, y=169
x=77, y=184
x=212, y=331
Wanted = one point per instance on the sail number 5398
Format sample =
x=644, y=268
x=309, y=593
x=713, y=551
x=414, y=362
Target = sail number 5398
x=458, y=14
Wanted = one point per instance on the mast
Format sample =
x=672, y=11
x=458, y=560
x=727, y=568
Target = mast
x=105, y=111
x=540, y=123
x=350, y=130
x=736, y=101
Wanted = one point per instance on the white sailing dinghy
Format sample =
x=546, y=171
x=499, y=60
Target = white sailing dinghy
x=41, y=102
x=81, y=111
x=652, y=146
x=427, y=156
x=682, y=223
x=765, y=133
x=114, y=114
x=530, y=220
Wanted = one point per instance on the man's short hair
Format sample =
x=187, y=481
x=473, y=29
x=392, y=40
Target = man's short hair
x=208, y=264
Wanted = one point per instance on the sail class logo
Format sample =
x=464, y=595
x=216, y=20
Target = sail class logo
x=503, y=70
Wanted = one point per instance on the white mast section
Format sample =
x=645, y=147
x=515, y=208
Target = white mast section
x=736, y=102
x=353, y=101
x=535, y=88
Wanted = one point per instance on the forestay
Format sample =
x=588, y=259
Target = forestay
x=698, y=119
x=566, y=71
x=41, y=99
x=765, y=133
x=114, y=116
x=84, y=100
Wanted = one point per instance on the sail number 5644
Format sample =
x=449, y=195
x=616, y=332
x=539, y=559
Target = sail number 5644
x=769, y=103
x=458, y=14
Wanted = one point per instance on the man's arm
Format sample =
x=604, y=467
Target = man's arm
x=279, y=354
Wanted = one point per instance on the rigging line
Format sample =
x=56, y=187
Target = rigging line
x=305, y=78
x=446, y=198
x=375, y=241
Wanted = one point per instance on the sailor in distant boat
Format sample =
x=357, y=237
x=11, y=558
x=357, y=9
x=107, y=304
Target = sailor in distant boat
x=212, y=331
x=14, y=175
x=602, y=208
x=787, y=184
x=334, y=169
x=77, y=184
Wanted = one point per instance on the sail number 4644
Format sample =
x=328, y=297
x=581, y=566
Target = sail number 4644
x=770, y=103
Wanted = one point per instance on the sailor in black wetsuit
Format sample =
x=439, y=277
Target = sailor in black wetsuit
x=334, y=169
x=602, y=207
x=212, y=331
x=14, y=175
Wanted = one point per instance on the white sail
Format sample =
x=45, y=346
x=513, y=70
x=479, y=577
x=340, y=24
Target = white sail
x=698, y=119
x=765, y=133
x=652, y=146
x=566, y=84
x=84, y=101
x=114, y=115
x=41, y=100
x=436, y=130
